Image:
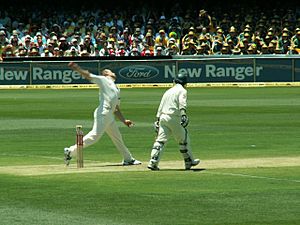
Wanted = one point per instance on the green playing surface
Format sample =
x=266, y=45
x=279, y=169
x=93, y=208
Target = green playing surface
x=247, y=140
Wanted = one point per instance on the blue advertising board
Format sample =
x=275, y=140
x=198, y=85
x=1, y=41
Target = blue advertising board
x=219, y=70
x=59, y=73
x=275, y=70
x=141, y=71
x=297, y=70
x=199, y=70
x=15, y=73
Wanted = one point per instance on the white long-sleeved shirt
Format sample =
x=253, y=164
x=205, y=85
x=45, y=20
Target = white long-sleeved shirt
x=173, y=100
x=109, y=93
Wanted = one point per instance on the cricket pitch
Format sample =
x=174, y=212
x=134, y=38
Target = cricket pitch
x=89, y=167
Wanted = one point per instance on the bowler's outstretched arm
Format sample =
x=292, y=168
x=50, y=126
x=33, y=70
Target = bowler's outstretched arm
x=85, y=73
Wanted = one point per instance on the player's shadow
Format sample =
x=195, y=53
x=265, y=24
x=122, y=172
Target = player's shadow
x=193, y=170
x=161, y=170
x=109, y=165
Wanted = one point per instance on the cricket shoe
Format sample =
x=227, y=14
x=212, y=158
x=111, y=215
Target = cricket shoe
x=68, y=156
x=152, y=166
x=132, y=162
x=190, y=163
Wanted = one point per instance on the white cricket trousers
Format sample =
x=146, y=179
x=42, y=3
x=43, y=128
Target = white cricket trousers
x=170, y=125
x=105, y=123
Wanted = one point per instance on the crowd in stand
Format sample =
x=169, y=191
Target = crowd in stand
x=98, y=32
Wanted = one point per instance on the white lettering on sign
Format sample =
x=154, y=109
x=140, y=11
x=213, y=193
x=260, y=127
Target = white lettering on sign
x=239, y=73
x=211, y=71
x=65, y=76
x=13, y=74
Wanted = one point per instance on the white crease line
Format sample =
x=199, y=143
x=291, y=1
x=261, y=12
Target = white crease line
x=40, y=156
x=252, y=176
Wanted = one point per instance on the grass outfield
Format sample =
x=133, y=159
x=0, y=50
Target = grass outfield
x=247, y=138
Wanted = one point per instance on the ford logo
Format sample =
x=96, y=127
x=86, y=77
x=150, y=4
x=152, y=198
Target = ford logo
x=138, y=72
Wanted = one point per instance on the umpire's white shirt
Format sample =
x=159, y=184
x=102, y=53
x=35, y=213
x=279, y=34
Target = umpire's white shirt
x=173, y=101
x=109, y=94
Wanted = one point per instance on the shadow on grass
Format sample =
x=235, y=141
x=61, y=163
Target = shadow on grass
x=139, y=166
x=109, y=165
x=193, y=170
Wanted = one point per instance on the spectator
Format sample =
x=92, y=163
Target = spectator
x=21, y=52
x=159, y=51
x=176, y=33
x=39, y=36
x=114, y=34
x=217, y=45
x=226, y=49
x=207, y=49
x=3, y=39
x=77, y=36
x=72, y=52
x=295, y=35
x=296, y=41
x=126, y=37
x=284, y=42
x=137, y=35
x=220, y=34
x=204, y=39
x=242, y=25
x=271, y=34
x=56, y=52
x=191, y=36
x=271, y=48
x=8, y=52
x=53, y=40
x=264, y=50
x=250, y=50
x=104, y=51
x=190, y=48
x=20, y=29
x=34, y=52
x=63, y=44
x=40, y=45
x=134, y=52
x=85, y=53
x=236, y=51
x=200, y=50
x=88, y=45
x=205, y=20
x=278, y=50
x=232, y=36
x=46, y=53
x=243, y=48
x=258, y=42
x=74, y=43
x=27, y=42
x=162, y=23
x=161, y=38
x=255, y=48
x=111, y=50
x=149, y=40
x=292, y=51
x=122, y=51
x=172, y=50
x=137, y=44
x=14, y=39
x=122, y=44
x=147, y=51
x=174, y=37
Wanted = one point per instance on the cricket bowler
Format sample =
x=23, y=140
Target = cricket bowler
x=104, y=115
x=173, y=120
